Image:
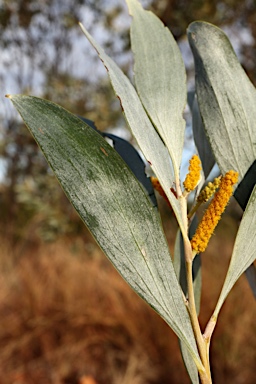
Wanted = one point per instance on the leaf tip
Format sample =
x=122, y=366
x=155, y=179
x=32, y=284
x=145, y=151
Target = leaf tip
x=8, y=96
x=82, y=28
x=132, y=4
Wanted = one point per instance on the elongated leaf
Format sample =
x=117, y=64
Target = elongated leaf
x=113, y=205
x=160, y=77
x=251, y=277
x=226, y=98
x=190, y=99
x=147, y=138
x=134, y=162
x=131, y=157
x=244, y=252
x=227, y=102
x=201, y=141
x=189, y=364
x=245, y=187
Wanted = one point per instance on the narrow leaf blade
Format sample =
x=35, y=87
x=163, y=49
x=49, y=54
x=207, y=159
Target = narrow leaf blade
x=251, y=277
x=160, y=77
x=201, y=141
x=146, y=136
x=245, y=187
x=134, y=162
x=226, y=98
x=132, y=158
x=189, y=364
x=244, y=252
x=113, y=205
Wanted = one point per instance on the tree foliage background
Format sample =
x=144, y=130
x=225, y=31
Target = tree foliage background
x=44, y=53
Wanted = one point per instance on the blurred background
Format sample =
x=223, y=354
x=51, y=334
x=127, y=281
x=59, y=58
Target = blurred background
x=66, y=315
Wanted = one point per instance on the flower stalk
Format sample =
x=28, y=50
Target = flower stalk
x=205, y=194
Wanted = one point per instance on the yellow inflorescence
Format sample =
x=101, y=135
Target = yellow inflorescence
x=209, y=190
x=213, y=213
x=193, y=176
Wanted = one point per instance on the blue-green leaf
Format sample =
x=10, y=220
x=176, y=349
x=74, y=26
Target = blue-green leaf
x=147, y=137
x=251, y=277
x=226, y=98
x=113, y=205
x=244, y=252
x=160, y=78
x=201, y=141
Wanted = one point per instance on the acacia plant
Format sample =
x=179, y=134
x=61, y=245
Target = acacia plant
x=116, y=207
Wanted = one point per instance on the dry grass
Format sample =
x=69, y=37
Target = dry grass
x=67, y=317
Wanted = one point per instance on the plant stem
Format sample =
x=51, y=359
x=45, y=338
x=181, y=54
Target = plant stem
x=209, y=330
x=192, y=310
x=202, y=345
x=205, y=376
x=194, y=209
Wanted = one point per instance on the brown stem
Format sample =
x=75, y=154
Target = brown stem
x=193, y=316
x=209, y=331
x=194, y=209
x=204, y=378
x=205, y=375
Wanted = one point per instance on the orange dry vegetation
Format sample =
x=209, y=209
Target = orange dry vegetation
x=66, y=316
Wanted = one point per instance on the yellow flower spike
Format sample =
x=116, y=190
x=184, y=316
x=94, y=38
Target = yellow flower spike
x=213, y=213
x=193, y=176
x=209, y=190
